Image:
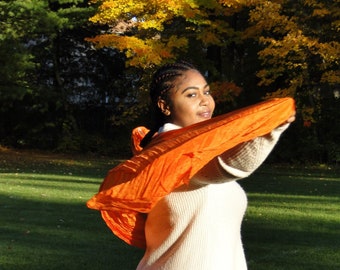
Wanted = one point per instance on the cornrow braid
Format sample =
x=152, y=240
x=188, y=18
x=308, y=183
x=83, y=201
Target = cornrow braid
x=162, y=82
x=164, y=77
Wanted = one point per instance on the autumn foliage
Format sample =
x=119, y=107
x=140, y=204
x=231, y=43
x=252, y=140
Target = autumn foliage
x=58, y=91
x=150, y=32
x=297, y=41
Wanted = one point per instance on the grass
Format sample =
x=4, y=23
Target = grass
x=44, y=223
x=292, y=221
x=293, y=218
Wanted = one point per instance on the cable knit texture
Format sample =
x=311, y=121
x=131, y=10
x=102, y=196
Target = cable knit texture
x=197, y=226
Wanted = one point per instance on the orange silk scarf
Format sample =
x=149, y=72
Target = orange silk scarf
x=133, y=188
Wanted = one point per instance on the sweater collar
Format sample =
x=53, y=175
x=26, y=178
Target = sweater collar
x=168, y=127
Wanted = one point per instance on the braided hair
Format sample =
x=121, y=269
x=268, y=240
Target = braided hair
x=162, y=82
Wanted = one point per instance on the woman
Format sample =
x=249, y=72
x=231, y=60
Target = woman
x=197, y=224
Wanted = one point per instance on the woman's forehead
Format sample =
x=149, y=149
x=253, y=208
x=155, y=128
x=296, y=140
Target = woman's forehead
x=190, y=77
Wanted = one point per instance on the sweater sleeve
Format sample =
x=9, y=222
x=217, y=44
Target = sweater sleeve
x=240, y=161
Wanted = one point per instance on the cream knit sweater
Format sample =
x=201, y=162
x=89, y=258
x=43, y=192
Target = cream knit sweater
x=197, y=226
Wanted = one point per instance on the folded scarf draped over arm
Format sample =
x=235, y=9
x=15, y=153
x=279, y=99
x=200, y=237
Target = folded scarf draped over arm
x=240, y=161
x=172, y=158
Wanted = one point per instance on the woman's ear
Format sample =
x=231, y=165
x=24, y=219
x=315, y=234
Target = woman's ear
x=164, y=107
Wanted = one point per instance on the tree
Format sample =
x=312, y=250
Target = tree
x=151, y=32
x=300, y=55
x=291, y=46
x=300, y=50
x=299, y=39
x=54, y=85
x=29, y=31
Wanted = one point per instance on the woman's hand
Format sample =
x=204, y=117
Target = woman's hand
x=291, y=118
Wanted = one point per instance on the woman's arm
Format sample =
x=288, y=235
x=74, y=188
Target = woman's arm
x=240, y=161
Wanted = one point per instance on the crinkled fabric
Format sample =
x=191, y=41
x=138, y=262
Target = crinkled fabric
x=134, y=187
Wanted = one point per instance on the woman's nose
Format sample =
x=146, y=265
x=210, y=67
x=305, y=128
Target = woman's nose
x=204, y=100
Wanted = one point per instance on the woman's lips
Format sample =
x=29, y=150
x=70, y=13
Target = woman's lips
x=206, y=114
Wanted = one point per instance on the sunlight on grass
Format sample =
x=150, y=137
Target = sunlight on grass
x=49, y=187
x=298, y=213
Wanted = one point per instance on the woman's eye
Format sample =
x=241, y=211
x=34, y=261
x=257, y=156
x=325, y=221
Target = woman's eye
x=207, y=92
x=191, y=95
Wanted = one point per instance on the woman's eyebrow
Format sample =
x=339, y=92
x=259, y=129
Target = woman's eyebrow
x=194, y=87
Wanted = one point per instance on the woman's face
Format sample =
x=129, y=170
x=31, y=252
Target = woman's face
x=191, y=101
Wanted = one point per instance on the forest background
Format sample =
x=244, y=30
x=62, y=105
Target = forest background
x=74, y=74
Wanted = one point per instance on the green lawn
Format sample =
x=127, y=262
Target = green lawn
x=292, y=222
x=293, y=219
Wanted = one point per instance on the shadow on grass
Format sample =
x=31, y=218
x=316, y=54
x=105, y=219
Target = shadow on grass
x=62, y=165
x=44, y=235
x=280, y=248
x=292, y=181
x=293, y=219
